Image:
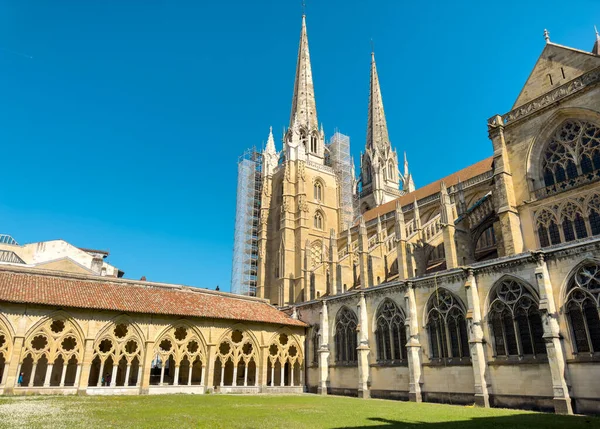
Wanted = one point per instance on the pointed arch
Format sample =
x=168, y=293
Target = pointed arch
x=319, y=220
x=285, y=353
x=581, y=302
x=514, y=318
x=346, y=323
x=390, y=332
x=237, y=348
x=446, y=325
x=6, y=342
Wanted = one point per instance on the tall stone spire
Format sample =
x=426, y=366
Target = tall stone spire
x=596, y=49
x=377, y=132
x=304, y=107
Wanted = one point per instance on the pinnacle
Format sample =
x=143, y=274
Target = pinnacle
x=377, y=132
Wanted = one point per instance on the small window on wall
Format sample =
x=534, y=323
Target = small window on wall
x=318, y=221
x=318, y=191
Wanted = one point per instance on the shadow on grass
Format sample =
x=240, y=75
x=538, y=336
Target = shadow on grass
x=541, y=421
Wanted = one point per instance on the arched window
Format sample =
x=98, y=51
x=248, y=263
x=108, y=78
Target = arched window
x=547, y=228
x=593, y=212
x=367, y=176
x=318, y=191
x=583, y=302
x=390, y=333
x=573, y=150
x=303, y=139
x=485, y=247
x=391, y=171
x=318, y=220
x=446, y=326
x=316, y=343
x=572, y=222
x=313, y=143
x=515, y=320
x=345, y=336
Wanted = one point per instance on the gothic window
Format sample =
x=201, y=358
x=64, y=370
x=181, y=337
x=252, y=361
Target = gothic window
x=303, y=139
x=367, y=176
x=573, y=150
x=316, y=343
x=390, y=171
x=390, y=333
x=583, y=304
x=593, y=212
x=312, y=286
x=345, y=336
x=236, y=361
x=318, y=220
x=572, y=222
x=318, y=191
x=485, y=247
x=547, y=228
x=446, y=326
x=515, y=320
x=313, y=143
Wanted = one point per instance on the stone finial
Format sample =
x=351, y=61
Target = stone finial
x=596, y=48
x=546, y=35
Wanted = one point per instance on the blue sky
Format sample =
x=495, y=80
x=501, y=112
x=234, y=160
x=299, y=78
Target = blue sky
x=121, y=121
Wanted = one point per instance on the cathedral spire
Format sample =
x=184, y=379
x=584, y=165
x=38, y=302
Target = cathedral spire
x=596, y=49
x=377, y=132
x=304, y=108
x=270, y=148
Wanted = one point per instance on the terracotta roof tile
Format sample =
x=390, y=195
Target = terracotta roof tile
x=432, y=188
x=41, y=287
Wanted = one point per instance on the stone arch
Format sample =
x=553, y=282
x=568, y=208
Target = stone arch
x=564, y=287
x=345, y=335
x=118, y=354
x=379, y=306
x=237, y=348
x=389, y=332
x=179, y=355
x=284, y=359
x=6, y=341
x=52, y=351
x=514, y=319
x=535, y=177
x=486, y=303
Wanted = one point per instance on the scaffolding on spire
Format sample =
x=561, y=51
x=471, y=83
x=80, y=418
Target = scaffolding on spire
x=341, y=162
x=244, y=270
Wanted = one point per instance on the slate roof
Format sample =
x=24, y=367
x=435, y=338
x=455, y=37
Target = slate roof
x=432, y=188
x=34, y=286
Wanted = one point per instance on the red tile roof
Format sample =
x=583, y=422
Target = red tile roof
x=432, y=188
x=33, y=286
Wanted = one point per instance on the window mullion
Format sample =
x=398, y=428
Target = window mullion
x=459, y=337
x=530, y=334
x=448, y=339
x=399, y=335
x=391, y=340
x=503, y=325
x=517, y=336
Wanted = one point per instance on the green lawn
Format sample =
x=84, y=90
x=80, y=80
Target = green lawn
x=289, y=412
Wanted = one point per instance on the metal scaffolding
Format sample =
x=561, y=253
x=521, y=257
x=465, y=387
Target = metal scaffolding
x=339, y=150
x=247, y=212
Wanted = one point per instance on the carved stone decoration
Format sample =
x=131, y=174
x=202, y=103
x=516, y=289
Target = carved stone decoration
x=302, y=204
x=285, y=206
x=288, y=173
x=301, y=170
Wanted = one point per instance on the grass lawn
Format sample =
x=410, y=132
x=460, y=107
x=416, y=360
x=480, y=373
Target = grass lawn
x=289, y=412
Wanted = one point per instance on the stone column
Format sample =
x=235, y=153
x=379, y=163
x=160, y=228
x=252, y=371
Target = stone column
x=363, y=254
x=77, y=376
x=5, y=374
x=282, y=375
x=202, y=372
x=127, y=371
x=363, y=349
x=245, y=374
x=482, y=397
x=162, y=374
x=48, y=374
x=400, y=228
x=272, y=374
x=99, y=383
x=413, y=347
x=235, y=370
x=63, y=373
x=552, y=337
x=291, y=375
x=264, y=368
x=32, y=377
x=324, y=351
x=176, y=376
x=189, y=382
x=138, y=382
x=13, y=365
x=256, y=375
x=113, y=376
x=448, y=230
x=504, y=195
x=146, y=367
x=85, y=366
x=222, y=382
x=210, y=365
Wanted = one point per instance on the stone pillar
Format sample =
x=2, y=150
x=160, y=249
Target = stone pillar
x=48, y=374
x=202, y=373
x=13, y=366
x=504, y=195
x=400, y=228
x=221, y=383
x=272, y=374
x=127, y=371
x=413, y=347
x=363, y=254
x=176, y=376
x=85, y=366
x=256, y=375
x=291, y=375
x=282, y=375
x=264, y=367
x=324, y=351
x=189, y=382
x=482, y=397
x=552, y=337
x=138, y=382
x=77, y=376
x=245, y=374
x=32, y=377
x=5, y=374
x=417, y=218
x=63, y=373
x=333, y=259
x=210, y=365
x=412, y=261
x=113, y=376
x=448, y=230
x=99, y=383
x=235, y=370
x=148, y=355
x=363, y=349
x=162, y=374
